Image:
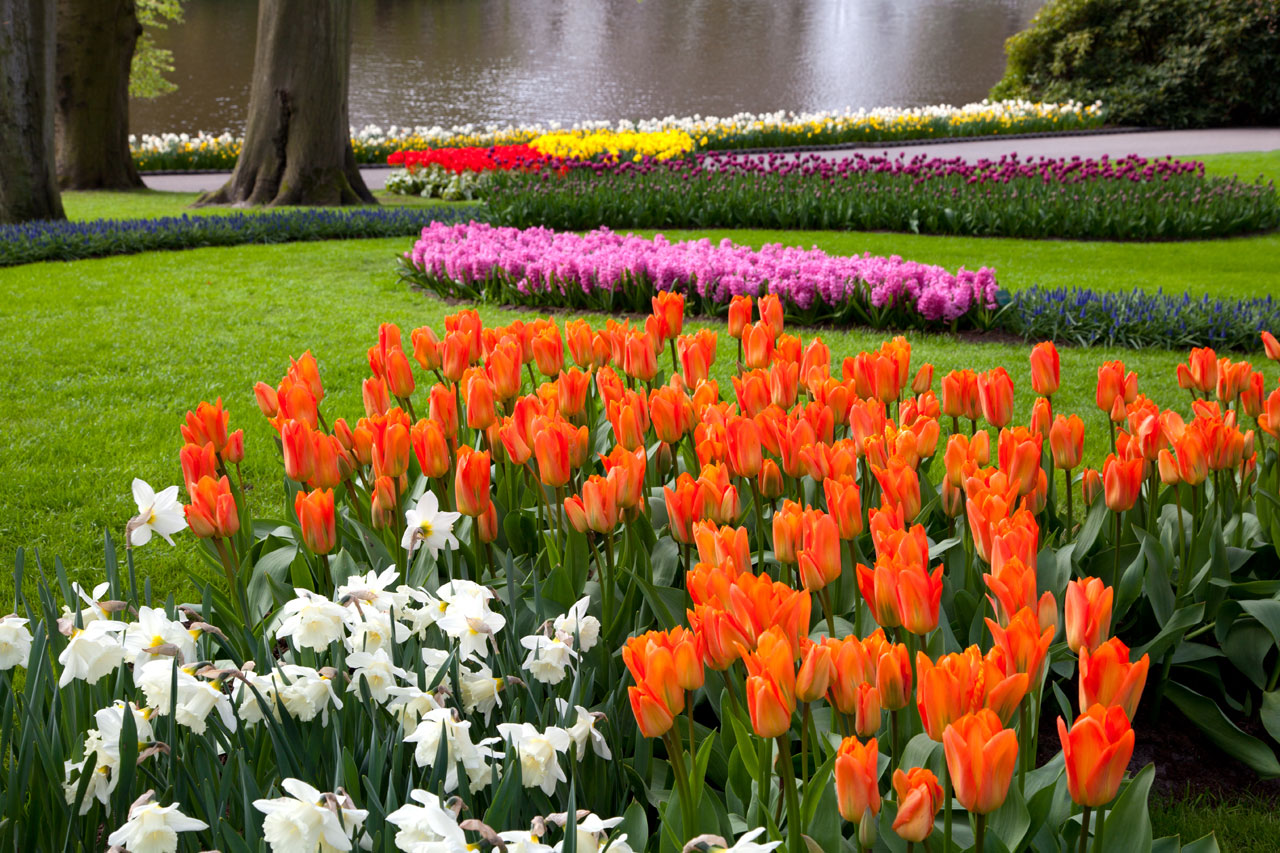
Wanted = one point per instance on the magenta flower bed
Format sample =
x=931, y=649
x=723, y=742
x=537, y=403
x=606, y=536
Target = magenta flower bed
x=605, y=270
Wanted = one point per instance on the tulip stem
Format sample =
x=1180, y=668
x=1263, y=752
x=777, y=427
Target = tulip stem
x=895, y=736
x=676, y=753
x=733, y=697
x=824, y=596
x=1100, y=826
x=1071, y=523
x=804, y=743
x=946, y=807
x=756, y=501
x=789, y=792
x=1024, y=734
x=1115, y=571
x=763, y=787
x=608, y=580
x=979, y=833
x=233, y=585
x=1084, y=831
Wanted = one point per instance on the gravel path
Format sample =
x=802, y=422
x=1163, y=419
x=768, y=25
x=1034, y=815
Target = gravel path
x=1179, y=143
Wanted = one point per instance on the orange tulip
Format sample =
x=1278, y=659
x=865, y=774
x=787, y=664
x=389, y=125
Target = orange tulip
x=1090, y=485
x=1088, y=614
x=212, y=511
x=923, y=380
x=963, y=682
x=1200, y=373
x=471, y=484
x=893, y=676
x=1269, y=419
x=502, y=369
x=770, y=480
x=919, y=595
x=670, y=413
x=1232, y=376
x=739, y=314
x=697, y=353
x=1107, y=677
x=744, y=447
x=628, y=468
x=1253, y=395
x=1013, y=587
x=200, y=461
x=1271, y=346
x=427, y=350
x=391, y=442
x=788, y=527
x=1113, y=384
x=267, y=399
x=315, y=518
x=1019, y=454
x=717, y=496
x=333, y=463
x=384, y=502
x=1096, y=752
x=816, y=671
x=430, y=447
x=1025, y=646
x=1045, y=374
x=207, y=425
x=1122, y=482
x=1066, y=441
x=443, y=409
x=551, y=442
x=844, y=502
x=960, y=395
x=295, y=400
x=1041, y=418
x=757, y=344
x=374, y=397
x=716, y=545
x=901, y=485
x=981, y=754
x=682, y=507
x=771, y=684
x=548, y=350
x=867, y=717
x=820, y=552
x=629, y=416
x=297, y=440
x=770, y=308
x=879, y=587
x=857, y=773
x=657, y=696
x=919, y=798
x=600, y=503
x=995, y=393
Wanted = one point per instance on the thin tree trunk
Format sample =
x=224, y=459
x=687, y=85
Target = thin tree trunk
x=96, y=40
x=28, y=184
x=297, y=146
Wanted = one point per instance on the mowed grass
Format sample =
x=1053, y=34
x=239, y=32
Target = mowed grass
x=1243, y=823
x=148, y=204
x=103, y=357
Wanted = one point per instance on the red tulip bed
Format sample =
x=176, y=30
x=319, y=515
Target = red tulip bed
x=551, y=591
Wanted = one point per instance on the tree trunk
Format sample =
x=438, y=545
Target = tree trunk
x=297, y=145
x=96, y=39
x=28, y=184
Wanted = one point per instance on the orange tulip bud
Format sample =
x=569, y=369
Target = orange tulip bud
x=266, y=398
x=964, y=682
x=1044, y=369
x=744, y=447
x=981, y=754
x=576, y=512
x=820, y=553
x=1066, y=441
x=816, y=671
x=471, y=483
x=1088, y=614
x=315, y=518
x=901, y=486
x=1271, y=346
x=995, y=393
x=739, y=314
x=298, y=443
x=683, y=506
x=384, y=502
x=600, y=503
x=771, y=685
x=207, y=425
x=770, y=480
x=857, y=773
x=198, y=462
x=867, y=718
x=1107, y=677
x=1113, y=384
x=1090, y=485
x=1122, y=482
x=844, y=502
x=1019, y=454
x=893, y=676
x=1025, y=646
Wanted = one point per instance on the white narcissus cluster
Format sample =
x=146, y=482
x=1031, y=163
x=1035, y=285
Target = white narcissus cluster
x=155, y=636
x=92, y=652
x=158, y=512
x=102, y=743
x=428, y=826
x=476, y=758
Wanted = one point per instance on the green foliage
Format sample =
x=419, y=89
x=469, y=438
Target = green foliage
x=151, y=63
x=1167, y=63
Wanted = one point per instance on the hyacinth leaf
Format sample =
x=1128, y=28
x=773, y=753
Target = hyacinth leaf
x=1205, y=714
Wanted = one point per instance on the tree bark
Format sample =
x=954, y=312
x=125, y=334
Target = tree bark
x=297, y=145
x=96, y=39
x=28, y=183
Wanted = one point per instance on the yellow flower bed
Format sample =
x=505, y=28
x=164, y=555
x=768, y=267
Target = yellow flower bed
x=662, y=145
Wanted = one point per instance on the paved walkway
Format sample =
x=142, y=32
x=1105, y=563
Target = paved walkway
x=1179, y=143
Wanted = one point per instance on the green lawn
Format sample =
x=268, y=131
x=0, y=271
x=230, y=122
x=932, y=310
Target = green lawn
x=1247, y=166
x=145, y=204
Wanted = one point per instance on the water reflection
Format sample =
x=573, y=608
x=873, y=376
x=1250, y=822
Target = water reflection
x=455, y=61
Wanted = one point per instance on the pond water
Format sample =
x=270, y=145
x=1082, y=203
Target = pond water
x=449, y=62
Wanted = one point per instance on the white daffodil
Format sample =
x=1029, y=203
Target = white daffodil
x=426, y=525
x=153, y=828
x=746, y=843
x=370, y=630
x=577, y=628
x=153, y=631
x=157, y=513
x=375, y=670
x=409, y=705
x=102, y=780
x=548, y=657
x=428, y=824
x=195, y=700
x=94, y=611
x=308, y=820
x=584, y=731
x=305, y=693
x=480, y=690
x=475, y=757
x=92, y=652
x=524, y=841
x=15, y=642
x=248, y=705
x=373, y=589
x=469, y=621
x=105, y=739
x=311, y=621
x=592, y=835
x=539, y=753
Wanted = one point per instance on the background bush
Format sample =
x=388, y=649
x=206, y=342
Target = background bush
x=1169, y=63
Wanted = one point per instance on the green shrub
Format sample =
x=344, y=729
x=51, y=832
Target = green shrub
x=1167, y=63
